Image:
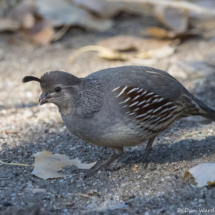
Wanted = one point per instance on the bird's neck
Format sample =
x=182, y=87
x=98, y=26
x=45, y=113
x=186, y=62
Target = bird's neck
x=65, y=109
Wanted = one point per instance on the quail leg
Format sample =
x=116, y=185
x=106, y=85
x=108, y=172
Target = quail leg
x=145, y=155
x=147, y=151
x=117, y=152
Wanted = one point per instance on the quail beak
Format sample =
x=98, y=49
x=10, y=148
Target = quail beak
x=44, y=98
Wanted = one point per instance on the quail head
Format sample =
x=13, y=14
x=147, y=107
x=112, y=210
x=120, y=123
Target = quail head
x=119, y=107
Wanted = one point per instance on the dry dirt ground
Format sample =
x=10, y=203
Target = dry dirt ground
x=27, y=128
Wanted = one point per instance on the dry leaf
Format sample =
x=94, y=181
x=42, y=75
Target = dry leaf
x=121, y=43
x=102, y=8
x=163, y=34
x=61, y=12
x=126, y=43
x=112, y=55
x=158, y=33
x=173, y=18
x=157, y=53
x=103, y=53
x=8, y=25
x=204, y=174
x=41, y=33
x=47, y=165
x=146, y=48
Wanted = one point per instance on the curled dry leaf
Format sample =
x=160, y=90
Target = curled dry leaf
x=204, y=174
x=48, y=165
x=103, y=53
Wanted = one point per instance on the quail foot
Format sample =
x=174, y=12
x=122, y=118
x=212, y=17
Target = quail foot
x=118, y=107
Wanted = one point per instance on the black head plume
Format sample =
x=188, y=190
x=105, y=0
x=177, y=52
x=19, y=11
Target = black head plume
x=30, y=78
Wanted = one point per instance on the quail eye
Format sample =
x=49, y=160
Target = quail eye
x=57, y=89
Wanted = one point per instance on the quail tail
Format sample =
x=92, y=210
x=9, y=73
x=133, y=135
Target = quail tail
x=195, y=107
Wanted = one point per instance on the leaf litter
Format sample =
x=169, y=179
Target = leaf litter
x=129, y=48
x=48, y=165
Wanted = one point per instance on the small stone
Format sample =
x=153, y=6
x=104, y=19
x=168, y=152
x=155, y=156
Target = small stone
x=13, y=194
x=151, y=167
x=7, y=204
x=201, y=201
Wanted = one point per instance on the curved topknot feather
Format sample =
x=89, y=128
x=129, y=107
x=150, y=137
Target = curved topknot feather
x=30, y=78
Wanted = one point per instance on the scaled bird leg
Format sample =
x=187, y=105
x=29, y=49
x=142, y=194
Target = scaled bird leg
x=147, y=151
x=117, y=152
x=145, y=155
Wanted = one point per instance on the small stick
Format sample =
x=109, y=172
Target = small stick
x=16, y=164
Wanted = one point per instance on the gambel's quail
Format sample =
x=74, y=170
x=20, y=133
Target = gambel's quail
x=119, y=107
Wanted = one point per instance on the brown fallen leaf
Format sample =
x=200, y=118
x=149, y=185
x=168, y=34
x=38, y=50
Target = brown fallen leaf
x=121, y=43
x=103, y=53
x=161, y=33
x=41, y=33
x=204, y=174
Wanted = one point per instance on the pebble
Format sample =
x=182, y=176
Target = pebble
x=7, y=204
x=151, y=167
x=201, y=201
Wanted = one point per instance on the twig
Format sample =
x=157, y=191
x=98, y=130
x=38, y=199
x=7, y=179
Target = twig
x=181, y=4
x=99, y=49
x=83, y=195
x=16, y=164
x=61, y=32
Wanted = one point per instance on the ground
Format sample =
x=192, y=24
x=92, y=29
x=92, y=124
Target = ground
x=27, y=128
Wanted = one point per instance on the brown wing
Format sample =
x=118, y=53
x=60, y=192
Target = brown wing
x=147, y=108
